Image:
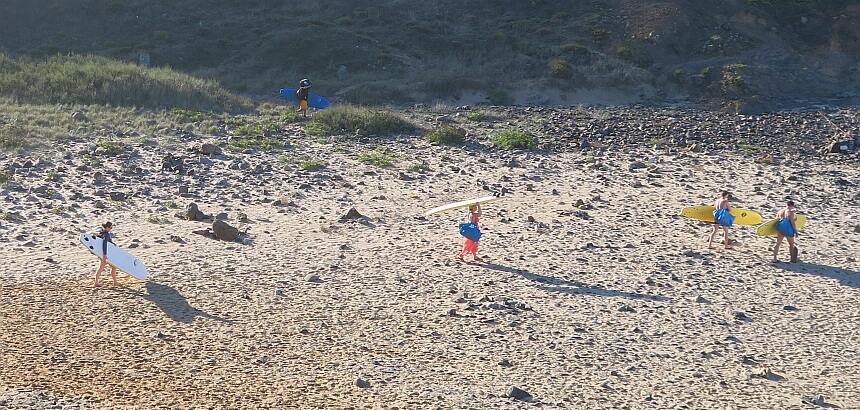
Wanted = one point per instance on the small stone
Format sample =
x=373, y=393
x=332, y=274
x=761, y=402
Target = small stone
x=516, y=393
x=856, y=228
x=505, y=363
x=312, y=278
x=351, y=214
x=361, y=383
x=790, y=308
x=700, y=299
x=183, y=189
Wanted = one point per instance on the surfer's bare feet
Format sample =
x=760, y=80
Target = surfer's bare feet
x=96, y=283
x=460, y=258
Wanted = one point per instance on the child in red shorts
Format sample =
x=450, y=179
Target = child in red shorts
x=470, y=246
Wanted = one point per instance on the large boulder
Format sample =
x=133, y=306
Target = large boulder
x=223, y=231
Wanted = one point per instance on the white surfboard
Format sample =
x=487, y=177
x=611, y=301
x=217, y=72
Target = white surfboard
x=463, y=204
x=117, y=257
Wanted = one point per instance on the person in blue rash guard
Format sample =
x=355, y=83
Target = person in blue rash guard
x=721, y=204
x=786, y=228
x=106, y=237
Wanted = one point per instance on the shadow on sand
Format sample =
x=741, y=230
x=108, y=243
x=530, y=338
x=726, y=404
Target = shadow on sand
x=845, y=276
x=571, y=287
x=172, y=303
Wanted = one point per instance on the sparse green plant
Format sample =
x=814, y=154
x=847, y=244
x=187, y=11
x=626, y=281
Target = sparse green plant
x=732, y=80
x=476, y=116
x=446, y=134
x=266, y=144
x=5, y=176
x=241, y=216
x=379, y=158
x=445, y=158
x=750, y=148
x=312, y=165
x=110, y=148
x=171, y=204
x=513, y=139
x=157, y=220
x=187, y=115
x=419, y=167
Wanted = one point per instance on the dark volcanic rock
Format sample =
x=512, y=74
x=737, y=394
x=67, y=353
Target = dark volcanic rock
x=223, y=231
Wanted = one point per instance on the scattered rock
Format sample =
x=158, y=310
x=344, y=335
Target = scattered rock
x=351, y=214
x=210, y=149
x=223, y=231
x=700, y=299
x=361, y=383
x=312, y=278
x=192, y=213
x=516, y=393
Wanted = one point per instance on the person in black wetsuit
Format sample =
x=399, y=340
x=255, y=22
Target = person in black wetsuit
x=302, y=94
x=106, y=236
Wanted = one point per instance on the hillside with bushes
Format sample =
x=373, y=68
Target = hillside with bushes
x=736, y=54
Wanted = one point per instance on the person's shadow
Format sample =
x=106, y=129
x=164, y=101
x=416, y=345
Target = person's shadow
x=846, y=277
x=172, y=303
x=570, y=287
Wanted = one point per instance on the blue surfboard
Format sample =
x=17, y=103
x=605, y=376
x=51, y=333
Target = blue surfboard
x=314, y=100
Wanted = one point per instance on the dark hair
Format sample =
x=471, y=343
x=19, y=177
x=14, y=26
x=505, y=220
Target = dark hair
x=107, y=225
x=790, y=203
x=725, y=193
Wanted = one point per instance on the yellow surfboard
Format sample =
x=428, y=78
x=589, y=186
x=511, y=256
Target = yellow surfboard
x=463, y=204
x=706, y=213
x=769, y=228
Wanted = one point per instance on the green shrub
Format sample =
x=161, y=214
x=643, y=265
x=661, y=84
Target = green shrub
x=513, y=139
x=312, y=165
x=476, y=116
x=380, y=158
x=110, y=148
x=560, y=69
x=13, y=136
x=93, y=80
x=500, y=97
x=185, y=115
x=346, y=119
x=446, y=135
x=5, y=176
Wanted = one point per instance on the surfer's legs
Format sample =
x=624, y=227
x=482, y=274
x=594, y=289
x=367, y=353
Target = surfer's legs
x=303, y=108
x=726, y=234
x=113, y=275
x=779, y=236
x=469, y=246
x=99, y=272
x=713, y=234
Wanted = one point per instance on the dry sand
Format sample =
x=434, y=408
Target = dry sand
x=614, y=304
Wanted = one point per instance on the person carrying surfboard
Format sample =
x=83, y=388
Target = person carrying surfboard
x=722, y=218
x=105, y=234
x=302, y=94
x=470, y=246
x=786, y=228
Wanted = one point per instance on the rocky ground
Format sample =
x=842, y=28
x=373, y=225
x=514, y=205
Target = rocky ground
x=594, y=292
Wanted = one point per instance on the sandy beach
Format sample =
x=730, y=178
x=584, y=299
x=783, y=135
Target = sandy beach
x=594, y=292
